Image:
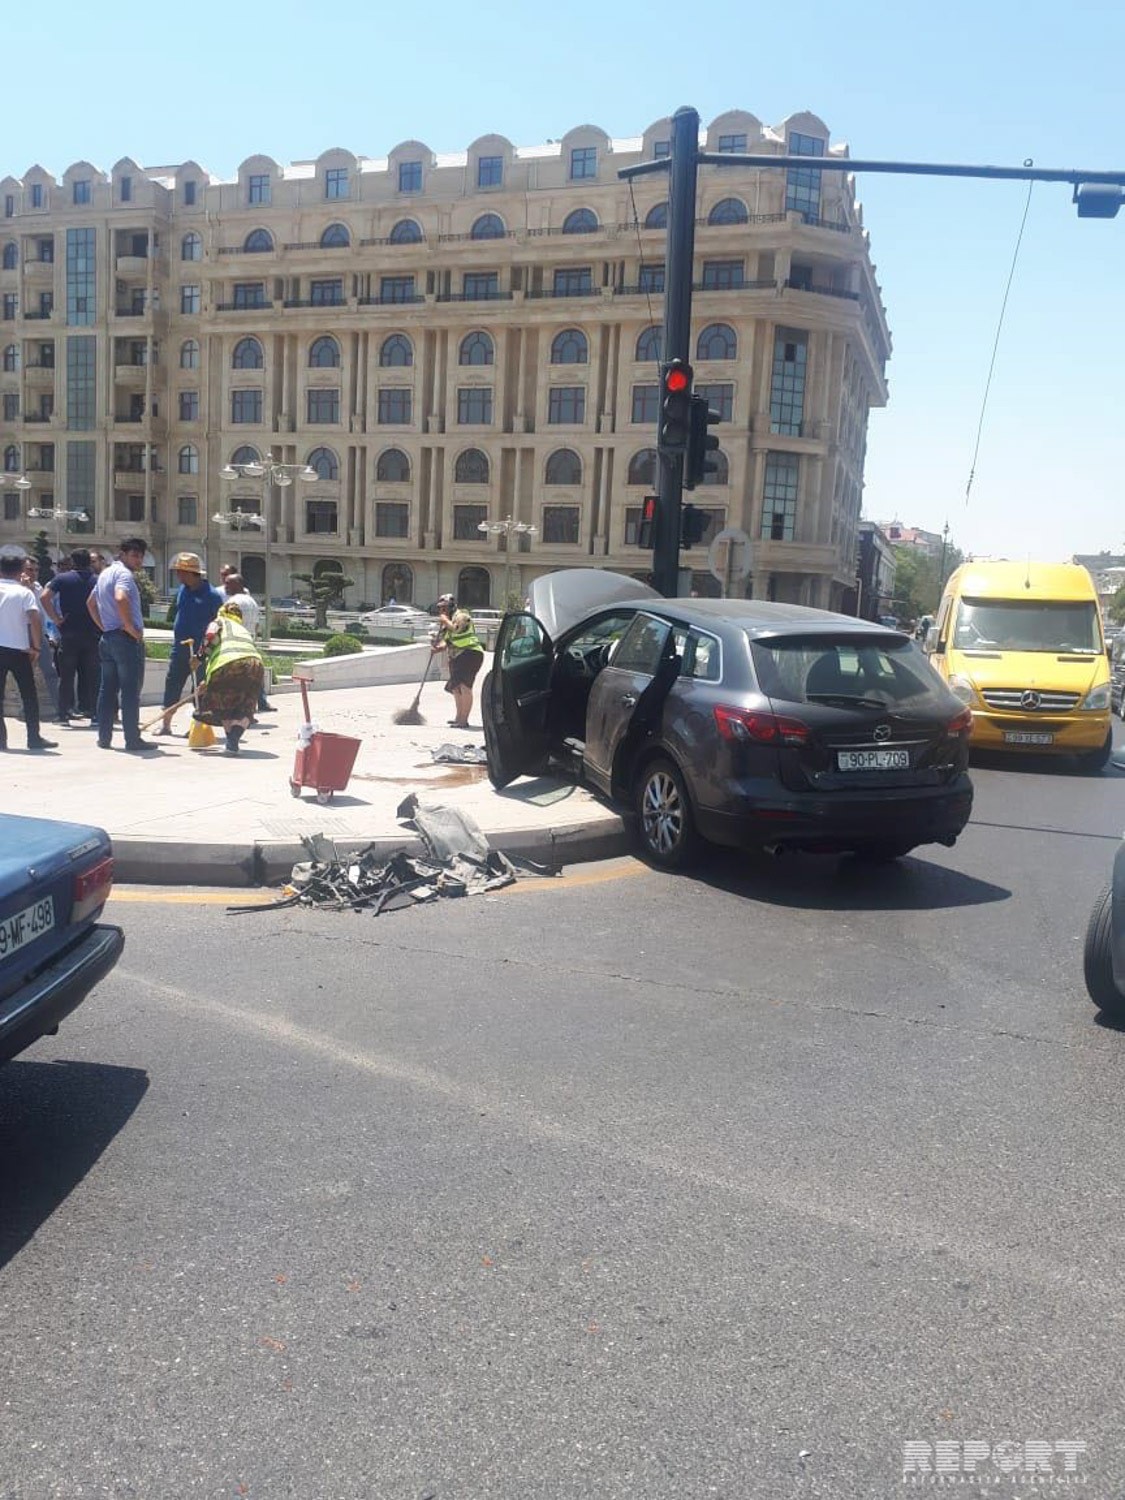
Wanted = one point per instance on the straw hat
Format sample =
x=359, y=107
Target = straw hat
x=188, y=562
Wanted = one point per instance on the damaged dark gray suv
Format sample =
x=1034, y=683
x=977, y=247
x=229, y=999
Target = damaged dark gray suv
x=739, y=722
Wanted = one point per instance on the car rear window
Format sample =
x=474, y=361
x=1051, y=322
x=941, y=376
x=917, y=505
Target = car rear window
x=811, y=669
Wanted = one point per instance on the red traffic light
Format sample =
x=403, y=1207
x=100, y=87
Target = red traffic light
x=676, y=379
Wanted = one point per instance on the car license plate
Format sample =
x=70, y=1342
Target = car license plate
x=23, y=927
x=1027, y=737
x=873, y=760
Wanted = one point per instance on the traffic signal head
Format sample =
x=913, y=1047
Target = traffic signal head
x=693, y=523
x=675, y=406
x=646, y=530
x=701, y=443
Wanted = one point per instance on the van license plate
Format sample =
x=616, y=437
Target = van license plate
x=873, y=760
x=1027, y=737
x=23, y=927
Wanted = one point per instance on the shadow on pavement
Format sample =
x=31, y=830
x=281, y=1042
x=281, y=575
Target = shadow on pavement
x=56, y=1119
x=540, y=790
x=825, y=882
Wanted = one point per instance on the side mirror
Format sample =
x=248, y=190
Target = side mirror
x=932, y=646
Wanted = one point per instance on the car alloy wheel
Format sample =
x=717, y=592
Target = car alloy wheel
x=667, y=827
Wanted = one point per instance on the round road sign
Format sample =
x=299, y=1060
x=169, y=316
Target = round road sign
x=728, y=556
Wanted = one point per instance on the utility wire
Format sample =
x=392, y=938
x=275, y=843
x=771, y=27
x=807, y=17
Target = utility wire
x=640, y=269
x=996, y=340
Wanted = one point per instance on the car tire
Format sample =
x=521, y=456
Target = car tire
x=665, y=822
x=880, y=852
x=1095, y=761
x=1097, y=959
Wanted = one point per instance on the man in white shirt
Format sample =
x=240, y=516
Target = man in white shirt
x=21, y=638
x=237, y=593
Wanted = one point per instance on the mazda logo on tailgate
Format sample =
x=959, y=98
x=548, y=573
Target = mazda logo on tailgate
x=1030, y=700
x=882, y=732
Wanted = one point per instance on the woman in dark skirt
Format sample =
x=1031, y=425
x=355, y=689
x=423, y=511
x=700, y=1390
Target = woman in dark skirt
x=458, y=636
x=235, y=673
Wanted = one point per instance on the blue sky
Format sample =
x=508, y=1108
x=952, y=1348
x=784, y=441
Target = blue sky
x=994, y=82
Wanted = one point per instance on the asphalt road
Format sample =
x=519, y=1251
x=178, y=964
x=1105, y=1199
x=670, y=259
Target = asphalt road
x=621, y=1185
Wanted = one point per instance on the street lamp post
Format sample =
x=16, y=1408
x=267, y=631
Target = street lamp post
x=238, y=520
x=270, y=471
x=507, y=528
x=56, y=514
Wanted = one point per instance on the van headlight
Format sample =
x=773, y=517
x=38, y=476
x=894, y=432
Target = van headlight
x=962, y=688
x=1097, y=699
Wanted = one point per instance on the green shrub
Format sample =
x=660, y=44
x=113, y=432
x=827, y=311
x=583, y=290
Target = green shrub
x=341, y=645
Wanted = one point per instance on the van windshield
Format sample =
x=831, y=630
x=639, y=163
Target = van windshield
x=1027, y=625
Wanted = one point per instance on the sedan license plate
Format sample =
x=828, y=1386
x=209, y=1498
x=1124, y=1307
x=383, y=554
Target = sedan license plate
x=873, y=760
x=23, y=927
x=1027, y=737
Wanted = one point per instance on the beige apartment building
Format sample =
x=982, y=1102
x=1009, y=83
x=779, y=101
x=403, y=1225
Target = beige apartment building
x=445, y=340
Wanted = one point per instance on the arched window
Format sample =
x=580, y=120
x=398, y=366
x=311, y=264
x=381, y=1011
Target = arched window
x=393, y=467
x=398, y=583
x=11, y=358
x=570, y=348
x=721, y=473
x=396, y=352
x=717, y=341
x=580, y=221
x=245, y=455
x=189, y=459
x=189, y=355
x=11, y=459
x=335, y=237
x=476, y=349
x=325, y=462
x=324, y=353
x=258, y=242
x=488, y=227
x=564, y=467
x=474, y=588
x=191, y=246
x=657, y=216
x=729, y=211
x=642, y=467
x=11, y=256
x=471, y=467
x=649, y=344
x=247, y=355
x=405, y=232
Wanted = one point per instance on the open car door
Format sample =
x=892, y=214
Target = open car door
x=514, y=700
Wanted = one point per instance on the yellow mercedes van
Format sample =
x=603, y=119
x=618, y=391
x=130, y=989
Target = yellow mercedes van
x=1021, y=644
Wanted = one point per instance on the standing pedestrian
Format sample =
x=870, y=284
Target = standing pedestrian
x=64, y=599
x=197, y=604
x=115, y=605
x=457, y=635
x=21, y=639
x=45, y=660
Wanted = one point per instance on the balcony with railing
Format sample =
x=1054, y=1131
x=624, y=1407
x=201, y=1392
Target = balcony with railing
x=244, y=307
x=482, y=296
x=130, y=374
x=822, y=291
x=390, y=301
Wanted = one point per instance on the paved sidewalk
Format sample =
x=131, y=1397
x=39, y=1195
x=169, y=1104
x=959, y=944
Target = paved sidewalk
x=204, y=817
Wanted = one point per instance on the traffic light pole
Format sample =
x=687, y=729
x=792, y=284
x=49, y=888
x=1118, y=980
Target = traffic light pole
x=679, y=259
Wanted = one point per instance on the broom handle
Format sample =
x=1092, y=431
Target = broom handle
x=192, y=663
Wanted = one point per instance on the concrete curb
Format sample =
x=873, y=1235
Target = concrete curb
x=255, y=862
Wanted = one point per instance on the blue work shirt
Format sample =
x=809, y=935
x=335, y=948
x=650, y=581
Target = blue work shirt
x=110, y=579
x=70, y=591
x=195, y=609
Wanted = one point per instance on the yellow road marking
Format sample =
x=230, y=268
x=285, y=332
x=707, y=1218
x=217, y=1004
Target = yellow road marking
x=237, y=897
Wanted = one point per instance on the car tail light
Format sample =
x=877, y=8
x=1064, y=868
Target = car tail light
x=745, y=727
x=91, y=889
x=962, y=723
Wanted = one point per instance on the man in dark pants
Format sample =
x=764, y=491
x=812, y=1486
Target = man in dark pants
x=21, y=638
x=197, y=604
x=115, y=605
x=64, y=599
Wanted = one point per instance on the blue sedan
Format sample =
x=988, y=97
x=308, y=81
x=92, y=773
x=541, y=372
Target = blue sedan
x=55, y=879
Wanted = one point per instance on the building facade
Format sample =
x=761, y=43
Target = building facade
x=875, y=573
x=445, y=340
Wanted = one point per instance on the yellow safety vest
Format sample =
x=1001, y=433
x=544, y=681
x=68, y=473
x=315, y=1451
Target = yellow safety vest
x=234, y=643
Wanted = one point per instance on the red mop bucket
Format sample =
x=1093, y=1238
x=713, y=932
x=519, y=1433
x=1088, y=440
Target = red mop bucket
x=325, y=762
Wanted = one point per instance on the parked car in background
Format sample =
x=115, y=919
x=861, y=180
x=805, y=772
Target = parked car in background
x=295, y=609
x=398, y=616
x=1103, y=957
x=741, y=722
x=54, y=880
x=1117, y=671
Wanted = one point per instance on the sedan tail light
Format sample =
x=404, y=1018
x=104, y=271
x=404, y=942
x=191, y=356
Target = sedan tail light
x=962, y=723
x=91, y=889
x=745, y=727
